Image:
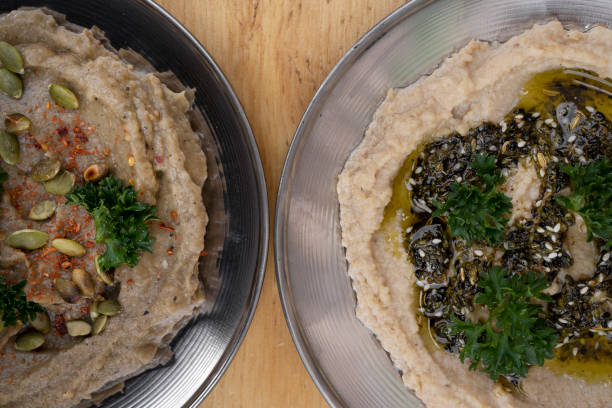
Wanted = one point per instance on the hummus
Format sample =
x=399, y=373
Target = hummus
x=479, y=84
x=132, y=123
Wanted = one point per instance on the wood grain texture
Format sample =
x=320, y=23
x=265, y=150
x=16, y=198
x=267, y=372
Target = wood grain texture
x=275, y=53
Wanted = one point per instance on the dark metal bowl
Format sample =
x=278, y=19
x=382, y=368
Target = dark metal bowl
x=235, y=197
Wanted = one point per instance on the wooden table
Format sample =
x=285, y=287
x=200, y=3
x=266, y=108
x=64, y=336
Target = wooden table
x=275, y=53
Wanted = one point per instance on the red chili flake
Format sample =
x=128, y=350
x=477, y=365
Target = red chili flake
x=66, y=264
x=174, y=215
x=81, y=137
x=170, y=252
x=37, y=145
x=62, y=131
x=203, y=253
x=60, y=324
x=165, y=227
x=89, y=244
x=159, y=159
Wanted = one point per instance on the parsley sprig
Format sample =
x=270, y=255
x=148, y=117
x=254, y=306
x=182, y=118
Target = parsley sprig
x=515, y=334
x=121, y=220
x=14, y=305
x=591, y=197
x=477, y=213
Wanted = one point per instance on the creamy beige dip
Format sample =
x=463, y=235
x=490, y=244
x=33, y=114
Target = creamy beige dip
x=131, y=121
x=480, y=83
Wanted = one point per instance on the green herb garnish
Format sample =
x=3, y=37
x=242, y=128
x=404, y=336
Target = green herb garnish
x=14, y=304
x=514, y=335
x=591, y=195
x=477, y=214
x=120, y=220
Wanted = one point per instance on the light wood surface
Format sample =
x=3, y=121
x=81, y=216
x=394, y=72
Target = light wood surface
x=275, y=53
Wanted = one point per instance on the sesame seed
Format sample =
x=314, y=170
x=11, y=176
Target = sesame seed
x=557, y=227
x=590, y=108
x=548, y=246
x=606, y=257
x=575, y=351
x=548, y=121
x=459, y=179
x=520, y=124
x=535, y=115
x=418, y=170
x=492, y=148
x=408, y=230
x=537, y=256
x=571, y=139
x=555, y=159
x=563, y=321
x=540, y=229
x=519, y=116
x=584, y=290
x=478, y=252
x=552, y=255
x=553, y=125
x=421, y=253
x=542, y=173
x=436, y=241
x=521, y=143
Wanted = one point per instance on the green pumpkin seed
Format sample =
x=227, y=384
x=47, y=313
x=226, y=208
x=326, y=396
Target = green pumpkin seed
x=84, y=282
x=109, y=308
x=68, y=247
x=60, y=184
x=42, y=323
x=29, y=341
x=63, y=96
x=78, y=328
x=9, y=147
x=42, y=210
x=67, y=290
x=27, y=239
x=46, y=169
x=105, y=276
x=99, y=324
x=11, y=58
x=93, y=310
x=16, y=122
x=10, y=84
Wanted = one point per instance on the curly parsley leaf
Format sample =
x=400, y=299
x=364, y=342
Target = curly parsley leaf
x=121, y=220
x=14, y=305
x=515, y=334
x=3, y=178
x=591, y=197
x=477, y=214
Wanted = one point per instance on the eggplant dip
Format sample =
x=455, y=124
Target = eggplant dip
x=102, y=220
x=477, y=220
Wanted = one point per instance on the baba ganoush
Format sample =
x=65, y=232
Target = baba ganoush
x=102, y=219
x=477, y=223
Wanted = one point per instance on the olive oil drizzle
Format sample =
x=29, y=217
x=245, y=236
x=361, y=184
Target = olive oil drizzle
x=588, y=357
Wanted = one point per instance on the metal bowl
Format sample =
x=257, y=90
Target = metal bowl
x=235, y=197
x=343, y=357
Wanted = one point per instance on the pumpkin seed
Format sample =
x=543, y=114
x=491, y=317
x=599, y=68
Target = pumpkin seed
x=29, y=341
x=105, y=276
x=68, y=247
x=95, y=172
x=60, y=184
x=93, y=310
x=63, y=96
x=99, y=324
x=84, y=282
x=78, y=328
x=46, y=169
x=67, y=290
x=9, y=147
x=109, y=308
x=16, y=122
x=42, y=323
x=42, y=210
x=11, y=58
x=10, y=84
x=27, y=239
